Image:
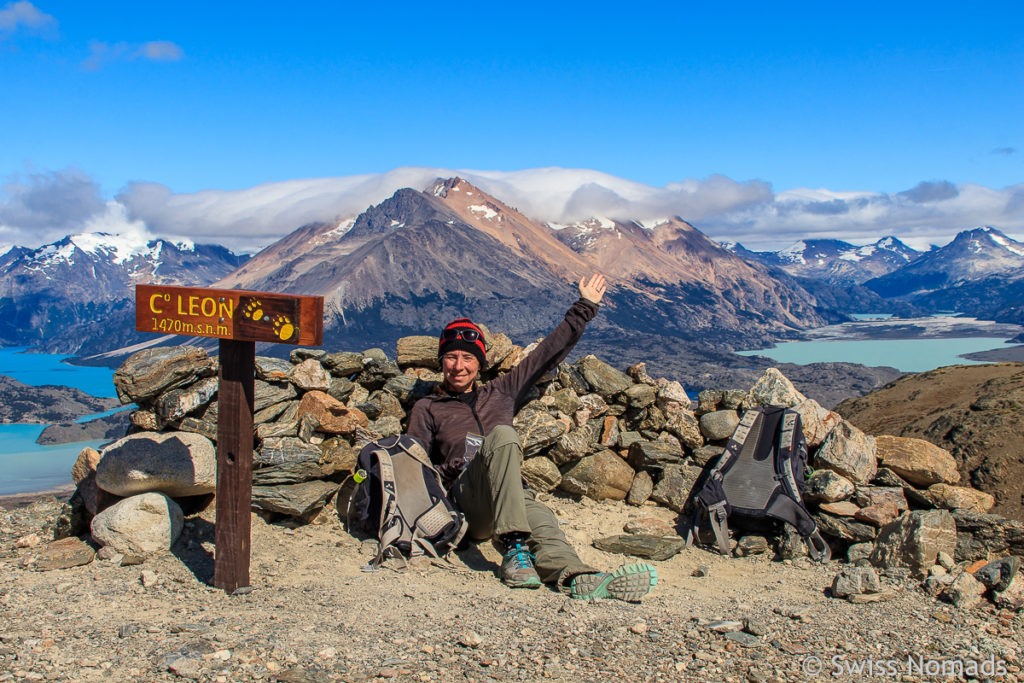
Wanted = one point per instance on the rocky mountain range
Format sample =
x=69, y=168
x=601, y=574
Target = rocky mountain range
x=77, y=294
x=835, y=261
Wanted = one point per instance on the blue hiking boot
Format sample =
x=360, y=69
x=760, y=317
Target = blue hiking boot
x=517, y=568
x=630, y=582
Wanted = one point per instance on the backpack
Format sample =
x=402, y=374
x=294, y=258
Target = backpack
x=400, y=500
x=759, y=476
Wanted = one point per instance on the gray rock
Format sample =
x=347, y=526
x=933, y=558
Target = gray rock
x=682, y=424
x=1012, y=597
x=859, y=551
x=178, y=464
x=673, y=488
x=966, y=498
x=866, y=496
x=375, y=354
x=567, y=401
x=572, y=446
x=537, y=430
x=194, y=426
x=719, y=425
x=843, y=528
x=310, y=375
x=849, y=452
x=540, y=474
x=603, y=378
x=640, y=395
x=285, y=450
x=269, y=393
x=917, y=461
x=146, y=523
x=570, y=378
x=341, y=387
x=287, y=473
x=854, y=581
x=734, y=399
x=914, y=540
x=772, y=388
x=387, y=425
x=148, y=373
x=294, y=500
x=673, y=392
x=965, y=592
x=627, y=439
x=272, y=369
x=376, y=373
x=600, y=476
x=177, y=403
x=705, y=454
x=980, y=536
x=63, y=553
x=649, y=547
x=998, y=574
x=641, y=489
x=303, y=354
x=653, y=455
x=825, y=486
x=791, y=544
x=751, y=545
x=276, y=429
x=343, y=364
x=816, y=421
x=271, y=413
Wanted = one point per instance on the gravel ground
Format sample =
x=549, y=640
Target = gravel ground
x=314, y=615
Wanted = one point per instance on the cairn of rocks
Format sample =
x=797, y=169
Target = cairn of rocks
x=588, y=430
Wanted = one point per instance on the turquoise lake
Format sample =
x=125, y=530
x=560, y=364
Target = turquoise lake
x=26, y=465
x=907, y=355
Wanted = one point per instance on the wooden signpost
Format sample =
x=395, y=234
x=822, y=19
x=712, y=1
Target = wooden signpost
x=239, y=319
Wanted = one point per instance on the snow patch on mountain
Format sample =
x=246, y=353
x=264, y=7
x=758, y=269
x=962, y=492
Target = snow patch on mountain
x=794, y=253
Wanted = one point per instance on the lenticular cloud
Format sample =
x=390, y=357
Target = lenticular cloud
x=47, y=206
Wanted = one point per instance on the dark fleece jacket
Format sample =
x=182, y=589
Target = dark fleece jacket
x=441, y=420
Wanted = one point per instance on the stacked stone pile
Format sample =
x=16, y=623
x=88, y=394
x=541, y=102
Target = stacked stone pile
x=587, y=429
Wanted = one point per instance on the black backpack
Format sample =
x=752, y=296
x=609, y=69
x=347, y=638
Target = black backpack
x=400, y=500
x=760, y=475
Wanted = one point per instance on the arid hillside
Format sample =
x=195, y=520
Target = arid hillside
x=974, y=411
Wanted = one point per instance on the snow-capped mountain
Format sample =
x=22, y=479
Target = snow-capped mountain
x=420, y=257
x=53, y=294
x=835, y=261
x=973, y=255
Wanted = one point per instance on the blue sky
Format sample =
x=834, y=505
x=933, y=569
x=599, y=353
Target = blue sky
x=864, y=98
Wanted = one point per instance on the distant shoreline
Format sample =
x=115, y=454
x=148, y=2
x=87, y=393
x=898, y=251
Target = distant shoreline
x=15, y=500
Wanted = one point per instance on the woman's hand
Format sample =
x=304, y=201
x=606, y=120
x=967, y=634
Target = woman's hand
x=594, y=288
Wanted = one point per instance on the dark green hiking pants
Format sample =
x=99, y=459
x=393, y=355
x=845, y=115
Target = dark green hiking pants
x=490, y=492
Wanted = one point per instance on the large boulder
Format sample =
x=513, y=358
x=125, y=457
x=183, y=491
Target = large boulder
x=653, y=455
x=178, y=403
x=148, y=373
x=294, y=500
x=719, y=424
x=603, y=378
x=980, y=536
x=673, y=489
x=175, y=463
x=537, y=429
x=850, y=452
x=774, y=389
x=916, y=460
x=914, y=540
x=825, y=486
x=817, y=422
x=147, y=523
x=599, y=476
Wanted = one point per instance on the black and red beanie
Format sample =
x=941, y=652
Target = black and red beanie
x=452, y=339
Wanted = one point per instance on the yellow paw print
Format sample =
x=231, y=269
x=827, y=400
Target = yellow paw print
x=283, y=327
x=253, y=310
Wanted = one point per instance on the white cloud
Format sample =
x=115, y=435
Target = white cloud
x=101, y=54
x=747, y=212
x=15, y=15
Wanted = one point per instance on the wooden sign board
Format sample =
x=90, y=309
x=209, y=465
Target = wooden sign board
x=230, y=314
x=239, y=319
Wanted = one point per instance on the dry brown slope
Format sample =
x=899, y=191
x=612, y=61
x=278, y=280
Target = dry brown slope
x=974, y=411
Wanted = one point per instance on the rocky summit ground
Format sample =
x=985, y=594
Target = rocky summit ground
x=314, y=615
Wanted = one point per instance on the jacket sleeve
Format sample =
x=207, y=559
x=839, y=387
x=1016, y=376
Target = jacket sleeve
x=421, y=425
x=550, y=352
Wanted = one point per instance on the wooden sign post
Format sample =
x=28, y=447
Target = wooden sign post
x=239, y=319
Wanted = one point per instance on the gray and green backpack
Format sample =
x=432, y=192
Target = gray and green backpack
x=759, y=476
x=401, y=501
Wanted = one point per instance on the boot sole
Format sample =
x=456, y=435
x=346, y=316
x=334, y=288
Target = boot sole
x=629, y=583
